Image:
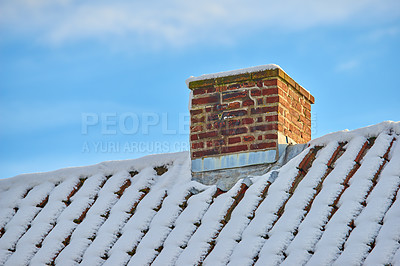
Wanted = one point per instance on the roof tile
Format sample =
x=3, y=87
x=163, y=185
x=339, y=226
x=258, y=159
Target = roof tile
x=335, y=203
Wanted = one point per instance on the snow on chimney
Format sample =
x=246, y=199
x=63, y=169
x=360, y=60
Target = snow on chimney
x=245, y=118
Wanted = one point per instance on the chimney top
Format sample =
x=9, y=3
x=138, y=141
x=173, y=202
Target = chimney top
x=232, y=72
x=246, y=74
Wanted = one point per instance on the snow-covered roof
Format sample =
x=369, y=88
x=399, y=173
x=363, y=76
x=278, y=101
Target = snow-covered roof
x=337, y=203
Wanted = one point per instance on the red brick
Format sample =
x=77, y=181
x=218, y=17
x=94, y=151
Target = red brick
x=234, y=105
x=298, y=124
x=234, y=86
x=210, y=89
x=259, y=137
x=259, y=83
x=197, y=120
x=308, y=131
x=198, y=154
x=248, y=84
x=281, y=111
x=210, y=134
x=194, y=137
x=259, y=110
x=196, y=128
x=271, y=136
x=221, y=88
x=225, y=123
x=263, y=145
x=247, y=120
x=307, y=114
x=306, y=121
x=270, y=91
x=219, y=142
x=205, y=100
x=248, y=138
x=232, y=123
x=219, y=124
x=198, y=145
x=283, y=86
x=294, y=95
x=209, y=143
x=258, y=128
x=297, y=106
x=220, y=107
x=296, y=131
x=234, y=149
x=230, y=96
x=271, y=118
x=312, y=99
x=283, y=121
x=304, y=92
x=270, y=82
x=235, y=113
x=264, y=127
x=196, y=112
x=282, y=93
x=260, y=101
x=273, y=99
x=255, y=92
x=271, y=109
x=284, y=103
x=294, y=113
x=208, y=109
x=307, y=105
x=199, y=91
x=262, y=110
x=234, y=131
x=259, y=119
x=248, y=103
x=213, y=117
x=233, y=140
x=209, y=126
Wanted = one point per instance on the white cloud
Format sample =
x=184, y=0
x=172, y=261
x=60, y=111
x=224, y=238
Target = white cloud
x=180, y=22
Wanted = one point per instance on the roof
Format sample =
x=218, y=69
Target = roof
x=337, y=203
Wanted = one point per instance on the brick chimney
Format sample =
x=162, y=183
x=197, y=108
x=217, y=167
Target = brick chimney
x=242, y=120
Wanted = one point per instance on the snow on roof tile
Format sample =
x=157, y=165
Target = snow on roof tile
x=335, y=203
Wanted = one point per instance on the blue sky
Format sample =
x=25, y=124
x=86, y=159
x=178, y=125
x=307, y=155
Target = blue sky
x=87, y=81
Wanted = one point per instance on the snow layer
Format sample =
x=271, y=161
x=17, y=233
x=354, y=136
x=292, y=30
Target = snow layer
x=282, y=233
x=119, y=214
x=232, y=72
x=77, y=215
x=253, y=237
x=185, y=226
x=337, y=229
x=309, y=230
x=232, y=232
x=368, y=222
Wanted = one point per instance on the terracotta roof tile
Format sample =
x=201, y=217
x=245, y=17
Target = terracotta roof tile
x=335, y=203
